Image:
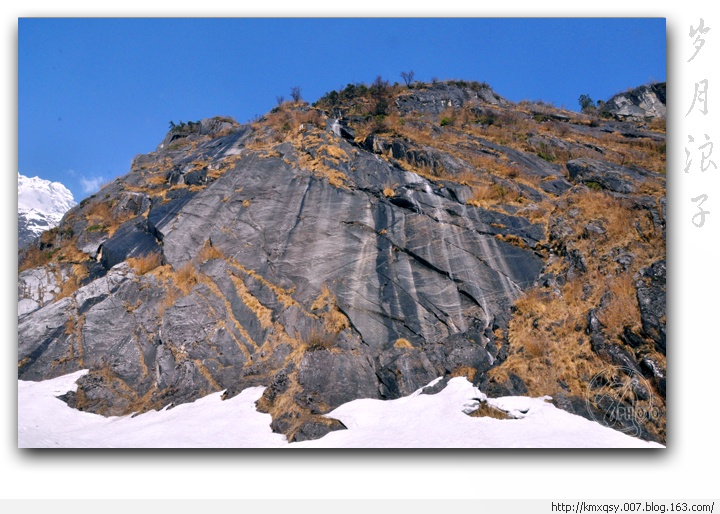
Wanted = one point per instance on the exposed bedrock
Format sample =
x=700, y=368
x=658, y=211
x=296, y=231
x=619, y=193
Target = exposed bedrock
x=420, y=282
x=330, y=260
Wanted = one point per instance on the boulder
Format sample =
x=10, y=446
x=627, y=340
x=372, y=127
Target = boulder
x=132, y=239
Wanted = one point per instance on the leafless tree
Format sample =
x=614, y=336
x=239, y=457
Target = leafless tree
x=408, y=77
x=295, y=94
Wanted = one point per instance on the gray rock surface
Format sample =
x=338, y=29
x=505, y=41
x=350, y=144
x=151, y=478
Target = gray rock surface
x=644, y=102
x=37, y=287
x=651, y=298
x=397, y=268
x=613, y=177
x=437, y=97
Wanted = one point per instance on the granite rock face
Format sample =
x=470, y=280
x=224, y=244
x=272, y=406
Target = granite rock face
x=644, y=102
x=324, y=266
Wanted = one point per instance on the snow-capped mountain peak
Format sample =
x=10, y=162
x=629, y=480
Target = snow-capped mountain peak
x=41, y=206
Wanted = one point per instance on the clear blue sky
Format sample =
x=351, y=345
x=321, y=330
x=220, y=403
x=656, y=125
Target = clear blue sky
x=93, y=93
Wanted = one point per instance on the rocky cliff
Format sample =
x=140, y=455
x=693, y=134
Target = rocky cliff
x=360, y=248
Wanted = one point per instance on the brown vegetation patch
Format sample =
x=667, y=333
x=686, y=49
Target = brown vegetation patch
x=262, y=313
x=334, y=320
x=209, y=252
x=186, y=278
x=403, y=343
x=485, y=410
x=145, y=263
x=622, y=310
x=464, y=371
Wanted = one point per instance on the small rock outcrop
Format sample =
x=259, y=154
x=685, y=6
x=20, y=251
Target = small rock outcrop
x=642, y=103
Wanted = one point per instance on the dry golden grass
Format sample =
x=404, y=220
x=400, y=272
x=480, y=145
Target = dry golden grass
x=549, y=348
x=53, y=249
x=537, y=212
x=319, y=338
x=497, y=166
x=512, y=239
x=553, y=153
x=486, y=410
x=403, y=343
x=34, y=257
x=157, y=179
x=284, y=405
x=482, y=194
x=599, y=205
x=145, y=263
x=284, y=122
x=447, y=117
x=466, y=178
x=312, y=116
x=389, y=191
x=334, y=153
x=334, y=320
x=547, y=340
x=98, y=213
x=207, y=375
x=70, y=326
x=69, y=253
x=658, y=125
x=71, y=283
x=169, y=299
x=209, y=252
x=100, y=217
x=324, y=299
x=625, y=227
x=318, y=167
x=284, y=295
x=623, y=309
x=641, y=152
x=464, y=371
x=262, y=313
x=186, y=278
x=485, y=195
x=68, y=287
x=509, y=129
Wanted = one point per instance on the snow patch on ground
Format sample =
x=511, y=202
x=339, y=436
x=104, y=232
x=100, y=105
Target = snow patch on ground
x=415, y=421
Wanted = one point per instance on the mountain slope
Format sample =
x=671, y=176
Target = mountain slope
x=359, y=249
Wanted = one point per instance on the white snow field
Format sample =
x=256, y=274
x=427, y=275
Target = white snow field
x=415, y=421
